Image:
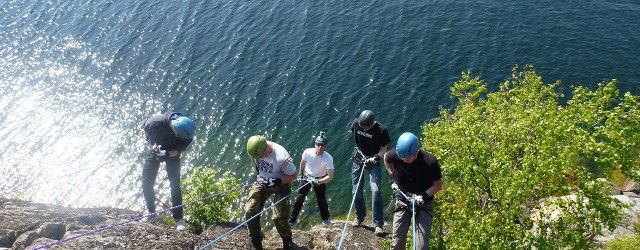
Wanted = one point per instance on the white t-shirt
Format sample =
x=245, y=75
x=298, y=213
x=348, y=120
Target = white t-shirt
x=317, y=165
x=277, y=164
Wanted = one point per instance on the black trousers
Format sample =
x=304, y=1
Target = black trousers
x=149, y=173
x=320, y=196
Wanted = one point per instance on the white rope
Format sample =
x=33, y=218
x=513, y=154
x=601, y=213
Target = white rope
x=412, y=199
x=344, y=229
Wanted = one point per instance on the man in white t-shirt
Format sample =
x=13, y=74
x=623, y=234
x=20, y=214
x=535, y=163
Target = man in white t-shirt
x=276, y=172
x=317, y=167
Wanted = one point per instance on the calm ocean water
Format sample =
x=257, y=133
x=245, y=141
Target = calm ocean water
x=77, y=78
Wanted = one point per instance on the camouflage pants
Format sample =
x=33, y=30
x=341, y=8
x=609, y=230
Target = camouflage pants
x=258, y=195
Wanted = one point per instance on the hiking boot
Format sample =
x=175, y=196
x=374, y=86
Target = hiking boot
x=181, y=225
x=379, y=231
x=293, y=224
x=327, y=222
x=287, y=243
x=257, y=244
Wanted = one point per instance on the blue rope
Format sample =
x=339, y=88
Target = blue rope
x=208, y=245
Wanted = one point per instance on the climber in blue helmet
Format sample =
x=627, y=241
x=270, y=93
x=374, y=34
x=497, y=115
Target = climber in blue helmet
x=167, y=135
x=416, y=173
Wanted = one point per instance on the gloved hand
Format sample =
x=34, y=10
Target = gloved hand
x=419, y=199
x=370, y=161
x=269, y=182
x=394, y=186
x=157, y=150
x=314, y=181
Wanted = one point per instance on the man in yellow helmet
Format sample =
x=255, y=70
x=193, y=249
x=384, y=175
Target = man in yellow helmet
x=275, y=172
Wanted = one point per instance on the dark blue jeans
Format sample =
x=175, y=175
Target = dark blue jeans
x=375, y=176
x=149, y=173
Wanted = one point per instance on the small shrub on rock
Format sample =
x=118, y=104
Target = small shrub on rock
x=204, y=182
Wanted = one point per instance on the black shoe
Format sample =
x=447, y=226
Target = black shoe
x=257, y=244
x=293, y=224
x=287, y=243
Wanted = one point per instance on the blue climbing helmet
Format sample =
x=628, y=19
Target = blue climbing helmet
x=407, y=145
x=184, y=127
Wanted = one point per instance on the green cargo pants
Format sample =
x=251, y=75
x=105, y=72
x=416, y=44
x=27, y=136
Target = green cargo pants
x=258, y=195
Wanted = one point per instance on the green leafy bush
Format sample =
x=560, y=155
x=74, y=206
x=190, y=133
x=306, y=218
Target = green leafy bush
x=625, y=243
x=204, y=182
x=522, y=168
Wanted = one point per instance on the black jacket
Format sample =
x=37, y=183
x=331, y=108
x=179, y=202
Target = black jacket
x=158, y=131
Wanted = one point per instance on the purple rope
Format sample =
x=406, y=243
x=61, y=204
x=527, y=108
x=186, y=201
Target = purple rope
x=138, y=218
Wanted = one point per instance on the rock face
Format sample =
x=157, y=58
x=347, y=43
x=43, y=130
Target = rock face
x=631, y=186
x=318, y=237
x=613, y=188
x=29, y=225
x=629, y=222
x=26, y=225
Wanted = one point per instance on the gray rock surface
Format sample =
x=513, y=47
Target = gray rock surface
x=631, y=186
x=631, y=194
x=613, y=188
x=27, y=225
x=318, y=237
x=632, y=216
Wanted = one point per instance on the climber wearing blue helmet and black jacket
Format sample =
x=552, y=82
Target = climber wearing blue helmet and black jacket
x=167, y=136
x=415, y=173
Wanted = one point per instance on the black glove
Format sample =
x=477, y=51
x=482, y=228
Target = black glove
x=427, y=197
x=269, y=182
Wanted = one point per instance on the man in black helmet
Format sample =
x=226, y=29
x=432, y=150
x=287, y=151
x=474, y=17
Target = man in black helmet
x=371, y=138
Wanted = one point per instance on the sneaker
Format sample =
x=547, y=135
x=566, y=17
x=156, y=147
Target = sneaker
x=149, y=219
x=379, y=231
x=180, y=225
x=327, y=222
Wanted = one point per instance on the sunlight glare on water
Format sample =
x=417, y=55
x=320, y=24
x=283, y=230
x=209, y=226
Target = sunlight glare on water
x=78, y=78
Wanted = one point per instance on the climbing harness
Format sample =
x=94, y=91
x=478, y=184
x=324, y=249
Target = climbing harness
x=359, y=159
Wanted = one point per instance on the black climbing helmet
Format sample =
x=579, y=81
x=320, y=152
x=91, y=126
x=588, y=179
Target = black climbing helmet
x=321, y=139
x=366, y=119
